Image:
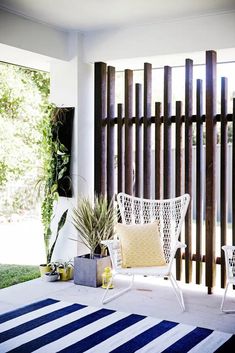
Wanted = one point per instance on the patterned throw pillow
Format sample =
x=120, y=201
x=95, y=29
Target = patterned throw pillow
x=141, y=245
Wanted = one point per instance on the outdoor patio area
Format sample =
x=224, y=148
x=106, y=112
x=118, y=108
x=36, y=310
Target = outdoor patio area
x=117, y=176
x=146, y=298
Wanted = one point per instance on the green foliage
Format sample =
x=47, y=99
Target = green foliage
x=13, y=274
x=30, y=147
x=94, y=221
x=55, y=162
x=3, y=173
x=22, y=106
x=60, y=226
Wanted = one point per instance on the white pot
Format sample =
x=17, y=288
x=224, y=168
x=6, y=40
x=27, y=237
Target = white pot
x=51, y=278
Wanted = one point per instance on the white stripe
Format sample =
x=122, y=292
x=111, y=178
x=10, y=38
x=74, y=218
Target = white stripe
x=125, y=335
x=166, y=339
x=81, y=333
x=32, y=315
x=44, y=329
x=211, y=342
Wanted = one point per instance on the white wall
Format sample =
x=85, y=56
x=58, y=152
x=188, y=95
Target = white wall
x=72, y=85
x=179, y=36
x=22, y=33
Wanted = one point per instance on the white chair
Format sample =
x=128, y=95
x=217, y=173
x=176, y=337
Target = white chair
x=169, y=214
x=229, y=251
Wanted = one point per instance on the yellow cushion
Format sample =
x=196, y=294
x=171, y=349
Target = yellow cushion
x=141, y=245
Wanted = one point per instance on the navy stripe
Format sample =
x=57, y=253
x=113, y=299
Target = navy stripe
x=39, y=321
x=145, y=337
x=61, y=331
x=228, y=346
x=102, y=335
x=189, y=341
x=26, y=309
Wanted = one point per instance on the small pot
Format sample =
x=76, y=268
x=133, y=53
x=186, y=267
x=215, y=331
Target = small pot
x=65, y=273
x=43, y=268
x=48, y=277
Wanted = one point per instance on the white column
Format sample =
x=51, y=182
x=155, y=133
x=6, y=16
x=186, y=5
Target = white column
x=72, y=85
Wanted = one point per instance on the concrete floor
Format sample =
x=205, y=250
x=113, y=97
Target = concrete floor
x=149, y=296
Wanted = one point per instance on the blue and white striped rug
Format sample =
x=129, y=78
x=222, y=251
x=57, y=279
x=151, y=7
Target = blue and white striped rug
x=55, y=326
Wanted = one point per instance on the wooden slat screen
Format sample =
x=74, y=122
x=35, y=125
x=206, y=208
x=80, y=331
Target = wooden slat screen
x=128, y=152
x=158, y=152
x=178, y=173
x=134, y=153
x=199, y=181
x=138, y=140
x=167, y=166
x=223, y=174
x=147, y=129
x=188, y=165
x=210, y=168
x=110, y=131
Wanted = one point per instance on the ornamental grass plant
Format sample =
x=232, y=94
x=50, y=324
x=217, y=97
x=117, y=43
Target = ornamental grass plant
x=94, y=221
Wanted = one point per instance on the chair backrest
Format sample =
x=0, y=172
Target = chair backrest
x=229, y=251
x=168, y=213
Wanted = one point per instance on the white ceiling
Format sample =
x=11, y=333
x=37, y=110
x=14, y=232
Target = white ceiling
x=88, y=15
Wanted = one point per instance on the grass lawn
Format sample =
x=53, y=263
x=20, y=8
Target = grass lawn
x=13, y=274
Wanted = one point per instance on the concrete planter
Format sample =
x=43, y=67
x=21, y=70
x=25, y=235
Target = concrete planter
x=88, y=272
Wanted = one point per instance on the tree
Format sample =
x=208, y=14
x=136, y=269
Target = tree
x=23, y=102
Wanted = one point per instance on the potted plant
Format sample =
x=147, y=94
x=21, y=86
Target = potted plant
x=55, y=164
x=45, y=268
x=94, y=221
x=53, y=275
x=65, y=269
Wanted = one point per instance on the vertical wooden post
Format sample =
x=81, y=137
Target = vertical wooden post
x=147, y=129
x=138, y=140
x=120, y=149
x=178, y=173
x=188, y=165
x=158, y=151
x=128, y=132
x=110, y=132
x=210, y=168
x=223, y=174
x=100, y=131
x=199, y=180
x=167, y=131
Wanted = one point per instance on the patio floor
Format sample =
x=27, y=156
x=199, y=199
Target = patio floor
x=146, y=298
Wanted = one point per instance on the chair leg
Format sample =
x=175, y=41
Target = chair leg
x=225, y=292
x=223, y=301
x=178, y=291
x=105, y=301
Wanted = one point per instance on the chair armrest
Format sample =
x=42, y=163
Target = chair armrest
x=113, y=247
x=228, y=247
x=179, y=244
x=111, y=244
